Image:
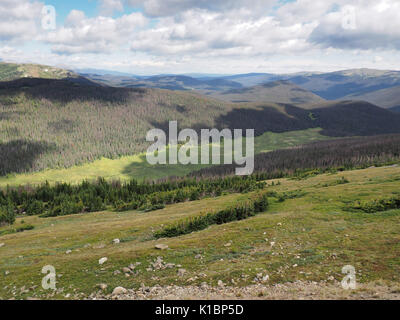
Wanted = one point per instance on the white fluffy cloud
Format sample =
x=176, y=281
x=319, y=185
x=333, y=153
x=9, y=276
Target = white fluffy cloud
x=160, y=8
x=19, y=19
x=108, y=7
x=94, y=35
x=366, y=25
x=200, y=35
x=200, y=32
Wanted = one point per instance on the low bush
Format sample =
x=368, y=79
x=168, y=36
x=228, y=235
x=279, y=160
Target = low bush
x=376, y=205
x=7, y=215
x=240, y=211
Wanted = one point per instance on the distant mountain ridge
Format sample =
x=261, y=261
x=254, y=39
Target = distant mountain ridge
x=281, y=91
x=380, y=87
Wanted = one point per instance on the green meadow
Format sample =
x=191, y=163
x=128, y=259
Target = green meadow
x=136, y=166
x=309, y=237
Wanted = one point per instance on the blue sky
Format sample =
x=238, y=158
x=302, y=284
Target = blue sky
x=202, y=36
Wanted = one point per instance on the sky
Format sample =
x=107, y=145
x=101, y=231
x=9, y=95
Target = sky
x=200, y=36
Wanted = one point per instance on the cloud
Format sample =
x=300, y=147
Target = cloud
x=93, y=35
x=366, y=25
x=162, y=8
x=201, y=32
x=108, y=7
x=19, y=19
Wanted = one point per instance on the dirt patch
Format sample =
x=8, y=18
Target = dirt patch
x=298, y=290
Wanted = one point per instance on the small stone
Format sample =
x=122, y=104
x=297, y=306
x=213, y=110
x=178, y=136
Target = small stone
x=118, y=291
x=116, y=272
x=265, y=278
x=68, y=251
x=279, y=224
x=161, y=246
x=116, y=241
x=102, y=286
x=198, y=256
x=103, y=260
x=2, y=245
x=126, y=270
x=272, y=243
x=221, y=283
x=7, y=272
x=227, y=244
x=181, y=272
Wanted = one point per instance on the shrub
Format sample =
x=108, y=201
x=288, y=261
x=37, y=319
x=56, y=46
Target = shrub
x=376, y=205
x=241, y=211
x=35, y=207
x=7, y=215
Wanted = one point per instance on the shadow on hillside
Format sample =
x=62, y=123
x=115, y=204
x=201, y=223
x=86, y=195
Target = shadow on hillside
x=356, y=118
x=346, y=118
x=64, y=91
x=19, y=155
x=267, y=118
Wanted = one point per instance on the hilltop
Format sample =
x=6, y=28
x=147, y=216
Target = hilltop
x=386, y=98
x=277, y=91
x=12, y=71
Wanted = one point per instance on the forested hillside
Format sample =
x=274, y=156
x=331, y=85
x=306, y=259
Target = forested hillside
x=58, y=123
x=324, y=155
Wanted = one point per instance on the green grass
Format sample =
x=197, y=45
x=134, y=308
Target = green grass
x=314, y=238
x=136, y=166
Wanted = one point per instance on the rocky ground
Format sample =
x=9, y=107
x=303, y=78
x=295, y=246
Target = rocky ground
x=290, y=291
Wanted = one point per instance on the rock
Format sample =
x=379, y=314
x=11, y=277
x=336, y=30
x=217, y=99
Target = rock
x=132, y=266
x=2, y=245
x=126, y=270
x=103, y=260
x=116, y=272
x=161, y=246
x=68, y=251
x=118, y=291
x=181, y=272
x=116, y=241
x=198, y=256
x=228, y=244
x=102, y=286
x=272, y=243
x=265, y=278
x=6, y=272
x=221, y=283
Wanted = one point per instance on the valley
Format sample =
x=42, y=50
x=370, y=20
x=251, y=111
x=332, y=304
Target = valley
x=77, y=193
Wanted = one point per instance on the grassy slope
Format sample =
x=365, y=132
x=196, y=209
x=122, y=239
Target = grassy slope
x=137, y=167
x=385, y=98
x=10, y=71
x=312, y=232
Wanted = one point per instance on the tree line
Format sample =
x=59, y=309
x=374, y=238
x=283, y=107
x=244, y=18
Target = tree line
x=64, y=199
